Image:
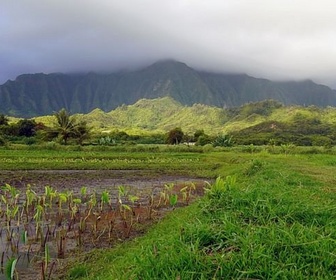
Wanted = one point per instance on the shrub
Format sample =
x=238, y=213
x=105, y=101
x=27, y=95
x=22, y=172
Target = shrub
x=2, y=141
x=254, y=167
x=175, y=136
x=204, y=140
x=223, y=141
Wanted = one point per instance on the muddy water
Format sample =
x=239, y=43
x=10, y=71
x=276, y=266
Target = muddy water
x=138, y=182
x=92, y=179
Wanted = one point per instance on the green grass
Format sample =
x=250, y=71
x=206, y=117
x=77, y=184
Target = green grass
x=112, y=158
x=277, y=221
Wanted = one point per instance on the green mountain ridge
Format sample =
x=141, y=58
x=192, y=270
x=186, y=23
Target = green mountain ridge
x=159, y=115
x=163, y=114
x=42, y=94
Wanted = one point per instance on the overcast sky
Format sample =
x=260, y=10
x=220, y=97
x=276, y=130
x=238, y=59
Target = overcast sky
x=287, y=39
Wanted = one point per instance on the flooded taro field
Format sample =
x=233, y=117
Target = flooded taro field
x=48, y=216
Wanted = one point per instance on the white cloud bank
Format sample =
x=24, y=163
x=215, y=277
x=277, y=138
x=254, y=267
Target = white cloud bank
x=272, y=39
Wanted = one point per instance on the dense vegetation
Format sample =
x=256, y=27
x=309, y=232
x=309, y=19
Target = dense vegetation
x=32, y=95
x=269, y=215
x=156, y=121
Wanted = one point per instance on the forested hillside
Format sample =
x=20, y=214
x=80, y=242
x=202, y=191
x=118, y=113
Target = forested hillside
x=41, y=94
x=256, y=122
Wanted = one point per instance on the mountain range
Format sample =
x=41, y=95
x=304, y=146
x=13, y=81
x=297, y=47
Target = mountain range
x=32, y=95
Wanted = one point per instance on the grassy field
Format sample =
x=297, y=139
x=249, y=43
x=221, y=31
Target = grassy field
x=268, y=216
x=155, y=158
x=275, y=221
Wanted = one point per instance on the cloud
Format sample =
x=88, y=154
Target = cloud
x=271, y=39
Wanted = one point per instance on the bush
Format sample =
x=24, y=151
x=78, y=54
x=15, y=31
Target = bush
x=254, y=167
x=175, y=136
x=223, y=141
x=2, y=141
x=29, y=140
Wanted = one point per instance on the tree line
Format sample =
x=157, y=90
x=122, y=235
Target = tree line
x=64, y=128
x=70, y=129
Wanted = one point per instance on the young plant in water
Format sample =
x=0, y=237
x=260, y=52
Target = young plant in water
x=168, y=188
x=83, y=192
x=173, y=200
x=10, y=270
x=49, y=195
x=74, y=210
x=104, y=200
x=31, y=198
x=187, y=192
x=46, y=265
x=10, y=214
x=38, y=220
x=150, y=206
x=11, y=194
x=61, y=240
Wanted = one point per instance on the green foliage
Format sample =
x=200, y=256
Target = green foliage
x=198, y=133
x=221, y=187
x=204, y=140
x=26, y=127
x=48, y=93
x=254, y=167
x=78, y=272
x=10, y=268
x=2, y=141
x=223, y=141
x=3, y=120
x=67, y=127
x=306, y=132
x=107, y=140
x=147, y=122
x=82, y=132
x=277, y=224
x=175, y=136
x=264, y=108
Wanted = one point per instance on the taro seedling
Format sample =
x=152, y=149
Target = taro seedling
x=60, y=240
x=50, y=194
x=74, y=209
x=150, y=206
x=38, y=220
x=187, y=192
x=173, y=200
x=11, y=268
x=104, y=200
x=62, y=198
x=83, y=192
x=10, y=213
x=11, y=193
x=167, y=192
x=31, y=198
x=133, y=199
x=46, y=265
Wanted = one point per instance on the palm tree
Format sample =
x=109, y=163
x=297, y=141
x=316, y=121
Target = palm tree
x=65, y=125
x=82, y=132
